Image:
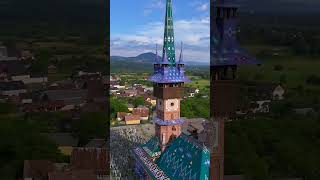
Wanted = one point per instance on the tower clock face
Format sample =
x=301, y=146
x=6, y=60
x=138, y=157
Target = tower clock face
x=172, y=105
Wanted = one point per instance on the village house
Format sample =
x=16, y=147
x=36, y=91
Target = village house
x=36, y=78
x=118, y=86
x=141, y=111
x=37, y=169
x=86, y=163
x=97, y=143
x=73, y=97
x=191, y=92
x=140, y=90
x=91, y=158
x=263, y=94
x=26, y=55
x=150, y=100
x=260, y=106
x=3, y=99
x=65, y=142
x=3, y=51
x=130, y=92
x=72, y=175
x=121, y=116
x=132, y=119
x=304, y=111
x=52, y=106
x=12, y=88
x=266, y=91
x=4, y=55
x=114, y=90
x=26, y=98
x=130, y=107
x=52, y=69
x=278, y=93
x=114, y=78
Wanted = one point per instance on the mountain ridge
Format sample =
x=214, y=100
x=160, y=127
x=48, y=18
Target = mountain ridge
x=150, y=57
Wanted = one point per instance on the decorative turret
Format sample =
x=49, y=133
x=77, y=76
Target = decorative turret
x=165, y=59
x=156, y=65
x=181, y=62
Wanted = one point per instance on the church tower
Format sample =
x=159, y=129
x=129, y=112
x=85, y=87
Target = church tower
x=168, y=86
x=226, y=56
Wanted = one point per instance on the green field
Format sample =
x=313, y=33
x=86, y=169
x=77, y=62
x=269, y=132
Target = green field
x=199, y=83
x=294, y=71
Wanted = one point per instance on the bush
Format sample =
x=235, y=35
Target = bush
x=313, y=80
x=278, y=67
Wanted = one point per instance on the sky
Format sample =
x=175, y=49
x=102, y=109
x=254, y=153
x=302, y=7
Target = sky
x=138, y=25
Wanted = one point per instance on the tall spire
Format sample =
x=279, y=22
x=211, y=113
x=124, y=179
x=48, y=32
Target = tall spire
x=181, y=55
x=168, y=39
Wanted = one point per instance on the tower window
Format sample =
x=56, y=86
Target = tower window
x=172, y=104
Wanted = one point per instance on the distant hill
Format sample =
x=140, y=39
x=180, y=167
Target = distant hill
x=145, y=57
x=141, y=63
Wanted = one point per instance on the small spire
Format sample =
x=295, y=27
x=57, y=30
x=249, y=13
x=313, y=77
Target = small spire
x=165, y=57
x=181, y=54
x=157, y=59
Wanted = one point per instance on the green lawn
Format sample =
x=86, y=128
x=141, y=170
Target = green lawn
x=295, y=71
x=199, y=83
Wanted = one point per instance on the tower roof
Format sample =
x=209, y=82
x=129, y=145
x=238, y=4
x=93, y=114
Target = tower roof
x=171, y=73
x=168, y=38
x=184, y=158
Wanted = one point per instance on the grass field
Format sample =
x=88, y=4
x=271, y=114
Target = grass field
x=295, y=71
x=199, y=83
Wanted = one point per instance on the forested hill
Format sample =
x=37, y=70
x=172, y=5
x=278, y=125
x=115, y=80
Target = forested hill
x=144, y=63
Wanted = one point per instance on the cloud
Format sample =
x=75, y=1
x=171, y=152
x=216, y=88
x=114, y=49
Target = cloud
x=200, y=6
x=154, y=5
x=203, y=7
x=194, y=33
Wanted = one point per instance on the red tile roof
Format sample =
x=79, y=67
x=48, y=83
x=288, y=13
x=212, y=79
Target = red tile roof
x=143, y=112
x=37, y=169
x=96, y=159
x=73, y=175
x=121, y=115
x=132, y=118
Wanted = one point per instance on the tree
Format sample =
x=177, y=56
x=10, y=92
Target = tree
x=138, y=101
x=117, y=105
x=21, y=140
x=91, y=125
x=196, y=108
